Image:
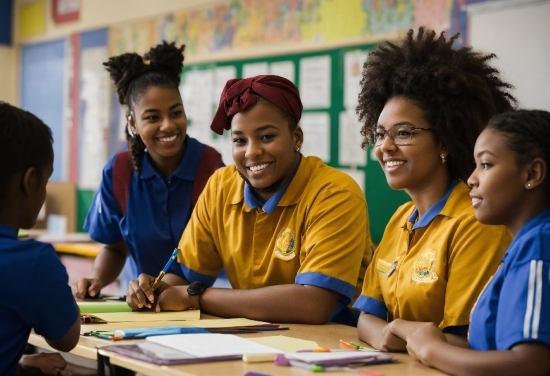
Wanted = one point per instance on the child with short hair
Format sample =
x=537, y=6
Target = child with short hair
x=510, y=325
x=26, y=163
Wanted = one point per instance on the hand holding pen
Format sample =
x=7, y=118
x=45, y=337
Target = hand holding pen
x=140, y=292
x=166, y=267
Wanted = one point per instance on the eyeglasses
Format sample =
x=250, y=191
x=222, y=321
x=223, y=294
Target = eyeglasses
x=400, y=134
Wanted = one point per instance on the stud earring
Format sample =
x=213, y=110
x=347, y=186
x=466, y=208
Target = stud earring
x=297, y=149
x=528, y=185
x=130, y=130
x=443, y=159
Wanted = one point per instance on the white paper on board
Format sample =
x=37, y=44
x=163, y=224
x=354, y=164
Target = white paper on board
x=255, y=69
x=350, y=139
x=284, y=69
x=221, y=76
x=197, y=98
x=95, y=95
x=316, y=127
x=315, y=76
x=353, y=69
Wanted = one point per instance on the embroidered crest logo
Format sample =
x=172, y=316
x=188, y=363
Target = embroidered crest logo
x=424, y=266
x=285, y=245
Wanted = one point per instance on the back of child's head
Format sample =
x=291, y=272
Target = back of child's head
x=527, y=133
x=25, y=141
x=133, y=75
x=458, y=90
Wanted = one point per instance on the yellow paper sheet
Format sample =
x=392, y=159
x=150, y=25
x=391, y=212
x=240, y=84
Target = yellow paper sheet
x=103, y=306
x=148, y=316
x=286, y=344
x=222, y=323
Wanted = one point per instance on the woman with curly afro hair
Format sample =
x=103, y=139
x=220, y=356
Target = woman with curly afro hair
x=156, y=177
x=423, y=104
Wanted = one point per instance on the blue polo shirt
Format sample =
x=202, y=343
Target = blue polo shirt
x=36, y=295
x=158, y=210
x=515, y=305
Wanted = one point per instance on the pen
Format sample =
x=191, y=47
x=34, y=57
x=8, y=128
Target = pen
x=318, y=349
x=311, y=367
x=104, y=336
x=166, y=267
x=351, y=345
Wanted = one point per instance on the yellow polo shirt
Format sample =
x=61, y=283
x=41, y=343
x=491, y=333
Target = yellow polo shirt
x=317, y=235
x=436, y=271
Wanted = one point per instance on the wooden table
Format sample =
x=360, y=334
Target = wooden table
x=327, y=335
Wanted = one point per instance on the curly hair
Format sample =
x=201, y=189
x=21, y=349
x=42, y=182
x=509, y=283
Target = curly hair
x=25, y=141
x=456, y=88
x=133, y=75
x=527, y=133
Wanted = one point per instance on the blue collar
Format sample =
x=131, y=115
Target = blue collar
x=433, y=211
x=270, y=205
x=187, y=168
x=7, y=232
x=533, y=222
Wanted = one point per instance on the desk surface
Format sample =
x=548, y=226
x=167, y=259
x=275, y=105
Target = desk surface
x=328, y=336
x=75, y=243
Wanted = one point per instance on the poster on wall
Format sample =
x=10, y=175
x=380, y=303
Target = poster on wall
x=65, y=10
x=94, y=99
x=316, y=127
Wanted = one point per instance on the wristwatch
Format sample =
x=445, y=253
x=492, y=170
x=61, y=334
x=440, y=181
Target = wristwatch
x=196, y=288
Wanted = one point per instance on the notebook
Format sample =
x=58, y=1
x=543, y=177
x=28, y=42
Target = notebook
x=191, y=348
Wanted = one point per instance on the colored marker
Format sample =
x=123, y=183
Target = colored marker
x=318, y=349
x=351, y=345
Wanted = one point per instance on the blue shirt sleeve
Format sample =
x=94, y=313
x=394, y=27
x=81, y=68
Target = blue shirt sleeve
x=524, y=304
x=372, y=307
x=345, y=289
x=103, y=220
x=54, y=307
x=192, y=276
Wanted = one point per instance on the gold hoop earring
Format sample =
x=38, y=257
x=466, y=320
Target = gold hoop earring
x=443, y=158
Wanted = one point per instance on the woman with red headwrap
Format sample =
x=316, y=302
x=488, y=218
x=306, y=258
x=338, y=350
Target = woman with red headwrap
x=288, y=229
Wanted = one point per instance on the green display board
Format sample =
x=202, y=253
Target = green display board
x=382, y=200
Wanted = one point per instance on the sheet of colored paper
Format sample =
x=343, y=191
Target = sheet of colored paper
x=286, y=344
x=148, y=316
x=103, y=306
x=223, y=323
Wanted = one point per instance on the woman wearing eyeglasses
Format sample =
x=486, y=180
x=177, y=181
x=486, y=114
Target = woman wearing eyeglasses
x=423, y=104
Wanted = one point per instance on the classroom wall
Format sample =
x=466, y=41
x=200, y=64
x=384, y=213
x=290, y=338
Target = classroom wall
x=231, y=32
x=522, y=47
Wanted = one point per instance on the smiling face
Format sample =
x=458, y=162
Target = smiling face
x=414, y=167
x=159, y=118
x=497, y=181
x=264, y=148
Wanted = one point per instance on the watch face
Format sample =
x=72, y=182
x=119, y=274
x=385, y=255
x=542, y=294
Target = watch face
x=196, y=288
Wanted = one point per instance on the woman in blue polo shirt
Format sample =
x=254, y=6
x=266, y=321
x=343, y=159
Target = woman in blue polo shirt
x=147, y=193
x=510, y=325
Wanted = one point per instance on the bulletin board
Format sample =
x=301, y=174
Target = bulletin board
x=328, y=81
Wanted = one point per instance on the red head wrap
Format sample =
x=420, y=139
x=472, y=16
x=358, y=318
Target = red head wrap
x=241, y=93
